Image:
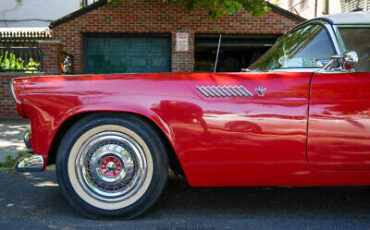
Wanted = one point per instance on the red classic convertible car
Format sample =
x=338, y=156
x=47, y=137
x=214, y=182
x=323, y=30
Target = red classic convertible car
x=299, y=117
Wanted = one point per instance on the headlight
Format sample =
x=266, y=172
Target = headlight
x=13, y=92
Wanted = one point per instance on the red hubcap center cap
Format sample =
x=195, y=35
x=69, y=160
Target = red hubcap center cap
x=111, y=167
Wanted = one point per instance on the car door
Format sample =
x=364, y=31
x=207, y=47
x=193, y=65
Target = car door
x=339, y=116
x=339, y=121
x=258, y=138
x=238, y=129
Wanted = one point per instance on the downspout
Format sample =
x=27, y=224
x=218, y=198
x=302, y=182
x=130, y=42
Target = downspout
x=325, y=7
x=315, y=8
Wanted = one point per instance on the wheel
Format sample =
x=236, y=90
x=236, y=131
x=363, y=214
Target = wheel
x=111, y=166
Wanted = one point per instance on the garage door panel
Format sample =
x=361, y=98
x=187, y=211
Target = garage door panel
x=114, y=64
x=119, y=68
x=138, y=61
x=139, y=44
x=96, y=52
x=95, y=42
x=119, y=43
x=159, y=45
x=130, y=54
x=159, y=63
x=95, y=63
x=114, y=60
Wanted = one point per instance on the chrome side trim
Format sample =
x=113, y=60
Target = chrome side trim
x=212, y=92
x=203, y=91
x=13, y=92
x=214, y=88
x=30, y=163
x=231, y=93
x=339, y=39
x=335, y=40
x=245, y=92
x=224, y=91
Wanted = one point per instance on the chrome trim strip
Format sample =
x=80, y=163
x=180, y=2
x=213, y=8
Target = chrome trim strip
x=329, y=28
x=202, y=90
x=214, y=88
x=212, y=92
x=337, y=40
x=224, y=91
x=236, y=90
x=246, y=92
x=13, y=92
x=230, y=91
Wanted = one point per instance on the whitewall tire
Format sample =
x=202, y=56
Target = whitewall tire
x=111, y=165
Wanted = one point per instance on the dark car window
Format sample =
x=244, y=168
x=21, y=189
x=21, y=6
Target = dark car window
x=357, y=39
x=308, y=47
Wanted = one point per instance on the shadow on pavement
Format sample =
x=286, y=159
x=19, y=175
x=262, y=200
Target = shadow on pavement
x=11, y=137
x=34, y=200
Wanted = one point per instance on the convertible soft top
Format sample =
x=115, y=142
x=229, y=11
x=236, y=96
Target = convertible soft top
x=348, y=18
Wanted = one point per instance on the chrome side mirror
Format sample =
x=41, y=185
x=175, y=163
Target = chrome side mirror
x=348, y=61
x=334, y=61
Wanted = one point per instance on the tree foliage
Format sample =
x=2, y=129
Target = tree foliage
x=219, y=8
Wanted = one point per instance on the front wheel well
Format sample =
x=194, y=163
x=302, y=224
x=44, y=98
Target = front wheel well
x=174, y=162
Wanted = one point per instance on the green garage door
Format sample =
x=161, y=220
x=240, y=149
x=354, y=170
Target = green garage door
x=127, y=54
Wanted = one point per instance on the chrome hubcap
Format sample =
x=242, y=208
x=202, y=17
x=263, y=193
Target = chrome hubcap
x=111, y=166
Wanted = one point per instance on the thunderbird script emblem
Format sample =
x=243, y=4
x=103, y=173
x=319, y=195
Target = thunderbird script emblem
x=260, y=91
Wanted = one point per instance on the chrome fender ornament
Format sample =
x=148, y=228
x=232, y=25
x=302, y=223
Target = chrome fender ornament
x=260, y=91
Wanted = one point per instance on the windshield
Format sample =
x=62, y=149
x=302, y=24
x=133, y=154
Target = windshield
x=357, y=39
x=307, y=47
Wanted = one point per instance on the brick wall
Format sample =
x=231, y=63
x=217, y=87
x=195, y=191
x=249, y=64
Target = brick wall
x=8, y=109
x=51, y=56
x=145, y=16
x=51, y=51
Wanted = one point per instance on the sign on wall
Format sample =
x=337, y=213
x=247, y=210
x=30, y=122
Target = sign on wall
x=182, y=42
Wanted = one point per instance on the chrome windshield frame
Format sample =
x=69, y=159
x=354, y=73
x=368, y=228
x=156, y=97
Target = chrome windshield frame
x=330, y=29
x=332, y=32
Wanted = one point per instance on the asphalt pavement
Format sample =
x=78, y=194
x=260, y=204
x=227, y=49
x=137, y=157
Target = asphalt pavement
x=11, y=137
x=35, y=201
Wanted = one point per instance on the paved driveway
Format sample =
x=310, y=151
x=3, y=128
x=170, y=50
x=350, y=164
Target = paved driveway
x=34, y=201
x=11, y=137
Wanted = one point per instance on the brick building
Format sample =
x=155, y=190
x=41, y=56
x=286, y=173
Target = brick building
x=152, y=36
x=142, y=36
x=354, y=5
x=36, y=42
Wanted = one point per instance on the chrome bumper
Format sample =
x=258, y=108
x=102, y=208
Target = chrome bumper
x=31, y=163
